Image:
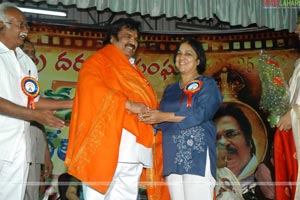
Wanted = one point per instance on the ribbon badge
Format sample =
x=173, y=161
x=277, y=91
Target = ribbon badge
x=191, y=88
x=31, y=88
x=227, y=184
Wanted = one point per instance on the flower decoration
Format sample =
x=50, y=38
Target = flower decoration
x=275, y=93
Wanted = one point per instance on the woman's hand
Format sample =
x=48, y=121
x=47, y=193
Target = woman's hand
x=151, y=117
x=285, y=121
x=157, y=116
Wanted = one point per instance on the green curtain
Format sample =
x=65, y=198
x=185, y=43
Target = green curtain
x=236, y=12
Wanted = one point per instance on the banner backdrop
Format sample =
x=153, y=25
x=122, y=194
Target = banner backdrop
x=232, y=59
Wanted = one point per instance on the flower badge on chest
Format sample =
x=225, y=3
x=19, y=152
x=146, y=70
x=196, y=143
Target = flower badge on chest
x=190, y=89
x=31, y=88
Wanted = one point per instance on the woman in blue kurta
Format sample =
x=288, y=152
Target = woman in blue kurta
x=185, y=118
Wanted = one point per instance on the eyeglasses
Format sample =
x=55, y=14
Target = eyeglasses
x=228, y=134
x=20, y=25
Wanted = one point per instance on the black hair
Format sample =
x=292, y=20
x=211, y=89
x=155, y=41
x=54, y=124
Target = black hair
x=230, y=109
x=63, y=181
x=115, y=28
x=198, y=48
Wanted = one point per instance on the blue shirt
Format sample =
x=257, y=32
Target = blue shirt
x=185, y=143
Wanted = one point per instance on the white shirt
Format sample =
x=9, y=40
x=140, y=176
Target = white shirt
x=227, y=187
x=130, y=151
x=295, y=85
x=12, y=70
x=246, y=177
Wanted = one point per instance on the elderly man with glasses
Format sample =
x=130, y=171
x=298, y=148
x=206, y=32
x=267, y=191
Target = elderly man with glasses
x=19, y=104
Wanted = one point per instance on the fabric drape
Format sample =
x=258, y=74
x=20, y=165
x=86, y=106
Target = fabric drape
x=236, y=12
x=286, y=166
x=152, y=178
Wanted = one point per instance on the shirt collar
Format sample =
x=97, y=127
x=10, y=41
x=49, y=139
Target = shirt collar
x=4, y=49
x=131, y=60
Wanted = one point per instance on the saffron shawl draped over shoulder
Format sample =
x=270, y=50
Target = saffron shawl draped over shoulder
x=106, y=80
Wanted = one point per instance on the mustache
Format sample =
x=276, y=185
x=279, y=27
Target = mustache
x=231, y=150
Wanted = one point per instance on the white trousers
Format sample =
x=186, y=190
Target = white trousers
x=33, y=182
x=13, y=175
x=192, y=187
x=124, y=186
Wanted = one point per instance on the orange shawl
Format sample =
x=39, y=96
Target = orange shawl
x=156, y=185
x=106, y=80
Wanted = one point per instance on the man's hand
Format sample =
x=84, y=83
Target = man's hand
x=42, y=116
x=48, y=118
x=136, y=107
x=48, y=166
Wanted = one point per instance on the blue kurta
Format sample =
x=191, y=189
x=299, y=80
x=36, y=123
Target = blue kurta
x=185, y=143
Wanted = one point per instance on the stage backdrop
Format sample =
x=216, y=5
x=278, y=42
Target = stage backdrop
x=61, y=50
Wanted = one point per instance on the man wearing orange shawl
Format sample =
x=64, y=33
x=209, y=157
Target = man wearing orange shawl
x=108, y=146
